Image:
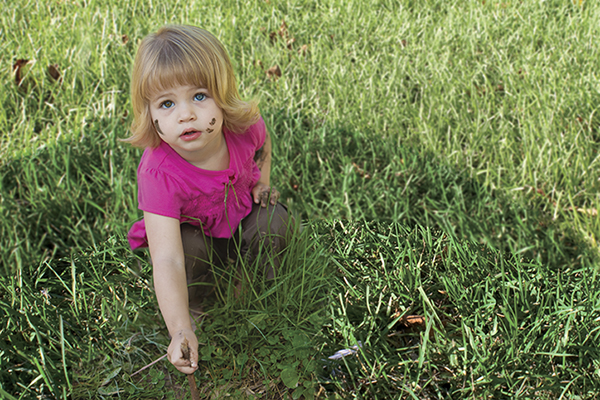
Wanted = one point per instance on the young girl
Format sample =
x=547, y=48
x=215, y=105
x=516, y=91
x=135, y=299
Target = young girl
x=203, y=180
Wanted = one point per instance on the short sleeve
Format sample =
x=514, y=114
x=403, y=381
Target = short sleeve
x=159, y=193
x=259, y=133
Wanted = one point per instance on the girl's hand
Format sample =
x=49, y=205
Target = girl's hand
x=176, y=357
x=264, y=194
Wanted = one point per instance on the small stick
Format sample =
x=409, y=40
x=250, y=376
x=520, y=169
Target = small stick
x=185, y=351
x=149, y=365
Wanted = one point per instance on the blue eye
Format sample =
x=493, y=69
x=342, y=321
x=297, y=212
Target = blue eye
x=199, y=96
x=167, y=104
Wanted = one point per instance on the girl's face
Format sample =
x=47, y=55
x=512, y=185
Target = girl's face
x=189, y=120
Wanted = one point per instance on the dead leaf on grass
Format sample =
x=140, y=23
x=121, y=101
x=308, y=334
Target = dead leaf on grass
x=303, y=50
x=274, y=72
x=290, y=43
x=283, y=31
x=361, y=172
x=54, y=72
x=413, y=321
x=20, y=70
x=409, y=321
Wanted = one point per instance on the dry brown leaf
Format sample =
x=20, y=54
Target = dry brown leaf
x=303, y=50
x=283, y=31
x=290, y=42
x=411, y=321
x=20, y=70
x=274, y=72
x=54, y=72
x=361, y=172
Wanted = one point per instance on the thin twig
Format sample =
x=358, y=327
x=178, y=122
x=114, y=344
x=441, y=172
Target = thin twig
x=185, y=351
x=149, y=365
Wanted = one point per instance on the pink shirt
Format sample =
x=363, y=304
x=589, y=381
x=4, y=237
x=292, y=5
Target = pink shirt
x=215, y=200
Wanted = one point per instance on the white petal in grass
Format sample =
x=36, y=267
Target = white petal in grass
x=345, y=352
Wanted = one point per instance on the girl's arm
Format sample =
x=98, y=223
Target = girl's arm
x=262, y=192
x=170, y=284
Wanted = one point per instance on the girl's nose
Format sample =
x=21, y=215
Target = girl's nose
x=186, y=113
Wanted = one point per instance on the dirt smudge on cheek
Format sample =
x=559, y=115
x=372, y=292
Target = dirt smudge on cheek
x=157, y=126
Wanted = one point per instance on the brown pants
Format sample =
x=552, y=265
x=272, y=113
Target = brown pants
x=262, y=232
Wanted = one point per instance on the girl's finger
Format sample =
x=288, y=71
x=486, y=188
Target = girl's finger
x=182, y=363
x=274, y=196
x=174, y=356
x=265, y=199
x=186, y=370
x=194, y=358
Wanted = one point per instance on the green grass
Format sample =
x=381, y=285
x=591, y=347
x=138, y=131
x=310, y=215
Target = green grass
x=495, y=325
x=442, y=155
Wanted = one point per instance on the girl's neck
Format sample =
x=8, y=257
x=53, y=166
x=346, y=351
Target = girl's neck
x=212, y=159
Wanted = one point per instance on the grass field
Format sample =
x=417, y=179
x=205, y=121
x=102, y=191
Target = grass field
x=441, y=157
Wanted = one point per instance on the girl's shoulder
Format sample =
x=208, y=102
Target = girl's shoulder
x=163, y=157
x=254, y=135
x=157, y=174
x=160, y=162
x=259, y=132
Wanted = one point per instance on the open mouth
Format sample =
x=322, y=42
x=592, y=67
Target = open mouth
x=190, y=135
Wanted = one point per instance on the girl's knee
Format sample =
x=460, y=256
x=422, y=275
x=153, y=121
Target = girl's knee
x=191, y=239
x=273, y=220
x=279, y=220
x=269, y=225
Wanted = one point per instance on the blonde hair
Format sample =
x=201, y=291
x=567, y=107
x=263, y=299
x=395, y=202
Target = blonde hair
x=184, y=55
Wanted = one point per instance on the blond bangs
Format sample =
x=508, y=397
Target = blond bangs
x=184, y=55
x=163, y=74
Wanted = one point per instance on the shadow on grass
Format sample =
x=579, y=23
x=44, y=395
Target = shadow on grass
x=65, y=197
x=334, y=172
x=489, y=272
x=81, y=326
x=435, y=317
x=71, y=195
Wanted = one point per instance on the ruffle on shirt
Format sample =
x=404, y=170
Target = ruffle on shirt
x=235, y=193
x=170, y=186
